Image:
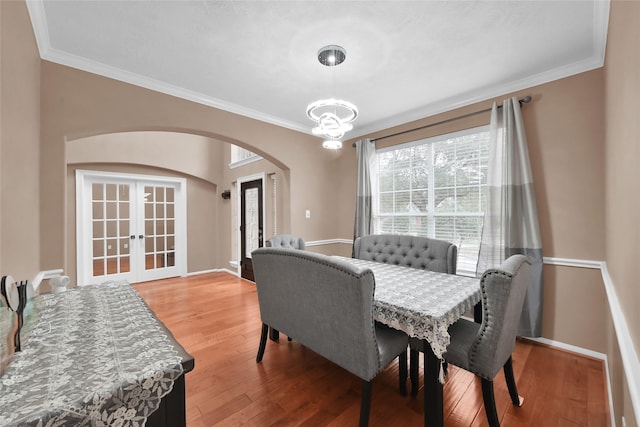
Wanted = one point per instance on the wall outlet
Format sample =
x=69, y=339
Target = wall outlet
x=307, y=213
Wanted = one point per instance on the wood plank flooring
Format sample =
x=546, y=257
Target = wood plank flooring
x=216, y=317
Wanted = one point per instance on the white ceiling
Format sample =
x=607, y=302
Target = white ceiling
x=405, y=59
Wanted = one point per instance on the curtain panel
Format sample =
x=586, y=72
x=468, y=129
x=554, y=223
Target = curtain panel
x=365, y=154
x=511, y=220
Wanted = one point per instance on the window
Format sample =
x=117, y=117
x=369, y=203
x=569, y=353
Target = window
x=241, y=156
x=436, y=188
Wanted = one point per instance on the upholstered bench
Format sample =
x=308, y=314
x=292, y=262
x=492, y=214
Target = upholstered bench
x=410, y=251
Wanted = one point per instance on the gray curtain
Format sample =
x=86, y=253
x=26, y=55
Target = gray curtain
x=365, y=153
x=511, y=220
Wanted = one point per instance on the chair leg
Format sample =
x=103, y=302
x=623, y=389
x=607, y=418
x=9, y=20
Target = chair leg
x=414, y=366
x=274, y=334
x=477, y=313
x=365, y=404
x=490, y=403
x=511, y=383
x=402, y=368
x=263, y=342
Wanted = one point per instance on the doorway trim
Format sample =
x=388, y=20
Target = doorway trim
x=84, y=176
x=255, y=177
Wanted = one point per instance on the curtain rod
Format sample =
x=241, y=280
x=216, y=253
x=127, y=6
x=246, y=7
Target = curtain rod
x=524, y=100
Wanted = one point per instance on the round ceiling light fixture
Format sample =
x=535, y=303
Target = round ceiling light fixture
x=332, y=55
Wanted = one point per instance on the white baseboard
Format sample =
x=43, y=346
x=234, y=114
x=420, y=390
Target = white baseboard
x=569, y=347
x=215, y=270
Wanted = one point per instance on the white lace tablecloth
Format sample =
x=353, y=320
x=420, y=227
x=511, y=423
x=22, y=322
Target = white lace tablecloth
x=419, y=302
x=94, y=356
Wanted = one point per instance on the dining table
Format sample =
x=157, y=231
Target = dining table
x=423, y=304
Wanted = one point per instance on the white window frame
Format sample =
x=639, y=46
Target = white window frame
x=242, y=157
x=466, y=266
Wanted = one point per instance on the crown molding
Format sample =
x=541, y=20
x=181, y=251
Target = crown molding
x=104, y=70
x=485, y=94
x=600, y=22
x=47, y=52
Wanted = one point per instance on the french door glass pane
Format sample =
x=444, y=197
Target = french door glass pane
x=110, y=228
x=158, y=223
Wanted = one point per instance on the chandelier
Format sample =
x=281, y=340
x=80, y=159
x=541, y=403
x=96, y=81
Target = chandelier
x=333, y=117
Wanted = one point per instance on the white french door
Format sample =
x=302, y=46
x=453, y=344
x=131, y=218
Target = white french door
x=130, y=227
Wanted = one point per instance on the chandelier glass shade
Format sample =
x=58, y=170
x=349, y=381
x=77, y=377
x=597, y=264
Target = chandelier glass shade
x=332, y=144
x=333, y=117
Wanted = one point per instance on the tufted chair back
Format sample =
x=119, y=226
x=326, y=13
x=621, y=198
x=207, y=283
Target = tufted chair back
x=409, y=251
x=503, y=293
x=286, y=241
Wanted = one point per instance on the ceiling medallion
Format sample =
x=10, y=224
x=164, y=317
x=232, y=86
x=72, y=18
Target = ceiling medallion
x=333, y=116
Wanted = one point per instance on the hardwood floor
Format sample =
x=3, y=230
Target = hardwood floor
x=216, y=318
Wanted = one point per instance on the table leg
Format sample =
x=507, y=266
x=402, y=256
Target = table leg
x=433, y=399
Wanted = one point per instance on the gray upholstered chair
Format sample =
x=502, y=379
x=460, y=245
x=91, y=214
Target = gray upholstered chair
x=287, y=241
x=410, y=251
x=485, y=348
x=326, y=304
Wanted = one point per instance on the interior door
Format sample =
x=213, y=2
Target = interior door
x=251, y=223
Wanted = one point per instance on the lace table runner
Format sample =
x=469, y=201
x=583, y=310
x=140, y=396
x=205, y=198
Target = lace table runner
x=95, y=356
x=421, y=303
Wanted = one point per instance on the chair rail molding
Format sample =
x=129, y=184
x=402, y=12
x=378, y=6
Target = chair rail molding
x=569, y=262
x=329, y=242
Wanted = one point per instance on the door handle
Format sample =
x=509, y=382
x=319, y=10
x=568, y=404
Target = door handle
x=140, y=236
x=132, y=237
